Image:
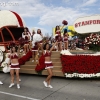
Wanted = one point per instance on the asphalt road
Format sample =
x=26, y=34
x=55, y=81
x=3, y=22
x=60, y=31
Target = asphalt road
x=32, y=88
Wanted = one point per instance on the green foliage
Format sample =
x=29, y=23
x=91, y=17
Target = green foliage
x=0, y=68
x=94, y=47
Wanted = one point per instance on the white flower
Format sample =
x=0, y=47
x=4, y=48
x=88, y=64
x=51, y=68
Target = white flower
x=62, y=52
x=98, y=74
x=3, y=64
x=65, y=52
x=75, y=74
x=69, y=75
x=81, y=75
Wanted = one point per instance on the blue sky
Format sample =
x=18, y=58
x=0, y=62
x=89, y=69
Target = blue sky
x=46, y=14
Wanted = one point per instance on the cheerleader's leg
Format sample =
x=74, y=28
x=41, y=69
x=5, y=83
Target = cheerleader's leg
x=60, y=45
x=66, y=45
x=25, y=48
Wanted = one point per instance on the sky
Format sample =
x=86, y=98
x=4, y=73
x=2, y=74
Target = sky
x=46, y=14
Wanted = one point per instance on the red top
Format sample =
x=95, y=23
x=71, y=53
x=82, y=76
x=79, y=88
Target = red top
x=15, y=56
x=58, y=32
x=47, y=54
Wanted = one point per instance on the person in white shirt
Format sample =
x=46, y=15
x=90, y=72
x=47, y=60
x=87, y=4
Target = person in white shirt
x=26, y=36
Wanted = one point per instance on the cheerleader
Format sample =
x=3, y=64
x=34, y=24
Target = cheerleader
x=65, y=38
x=37, y=39
x=40, y=33
x=48, y=63
x=26, y=36
x=58, y=38
x=14, y=67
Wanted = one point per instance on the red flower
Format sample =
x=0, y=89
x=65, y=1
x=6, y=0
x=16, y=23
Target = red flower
x=83, y=64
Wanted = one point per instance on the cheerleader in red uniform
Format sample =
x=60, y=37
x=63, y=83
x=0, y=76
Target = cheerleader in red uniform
x=58, y=38
x=26, y=36
x=65, y=38
x=40, y=33
x=14, y=67
x=48, y=63
x=37, y=39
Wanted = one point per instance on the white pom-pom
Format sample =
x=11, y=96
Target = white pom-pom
x=7, y=60
x=37, y=37
x=6, y=69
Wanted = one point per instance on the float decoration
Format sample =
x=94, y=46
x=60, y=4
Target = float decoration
x=5, y=65
x=81, y=66
x=93, y=41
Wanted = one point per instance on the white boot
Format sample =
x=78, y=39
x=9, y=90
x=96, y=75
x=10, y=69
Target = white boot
x=1, y=83
x=18, y=86
x=11, y=85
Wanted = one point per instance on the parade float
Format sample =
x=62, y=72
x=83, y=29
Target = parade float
x=11, y=28
x=67, y=63
x=85, y=65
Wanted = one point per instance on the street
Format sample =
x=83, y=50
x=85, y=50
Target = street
x=32, y=88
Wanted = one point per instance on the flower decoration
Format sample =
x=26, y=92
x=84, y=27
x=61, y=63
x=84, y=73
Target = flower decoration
x=64, y=22
x=93, y=41
x=82, y=66
x=65, y=52
x=4, y=64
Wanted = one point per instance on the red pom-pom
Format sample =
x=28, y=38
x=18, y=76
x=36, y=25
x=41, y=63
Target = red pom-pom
x=12, y=44
x=64, y=22
x=26, y=38
x=21, y=41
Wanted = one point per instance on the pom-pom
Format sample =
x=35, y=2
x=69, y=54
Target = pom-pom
x=37, y=37
x=12, y=44
x=21, y=41
x=64, y=22
x=26, y=38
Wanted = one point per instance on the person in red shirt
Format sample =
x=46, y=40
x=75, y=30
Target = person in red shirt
x=14, y=67
x=48, y=63
x=58, y=37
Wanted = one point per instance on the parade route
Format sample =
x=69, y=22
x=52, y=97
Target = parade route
x=19, y=96
x=32, y=88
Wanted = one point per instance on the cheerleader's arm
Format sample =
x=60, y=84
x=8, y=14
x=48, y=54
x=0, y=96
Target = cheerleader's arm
x=42, y=35
x=23, y=35
x=29, y=36
x=62, y=28
x=18, y=51
x=41, y=47
x=53, y=46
